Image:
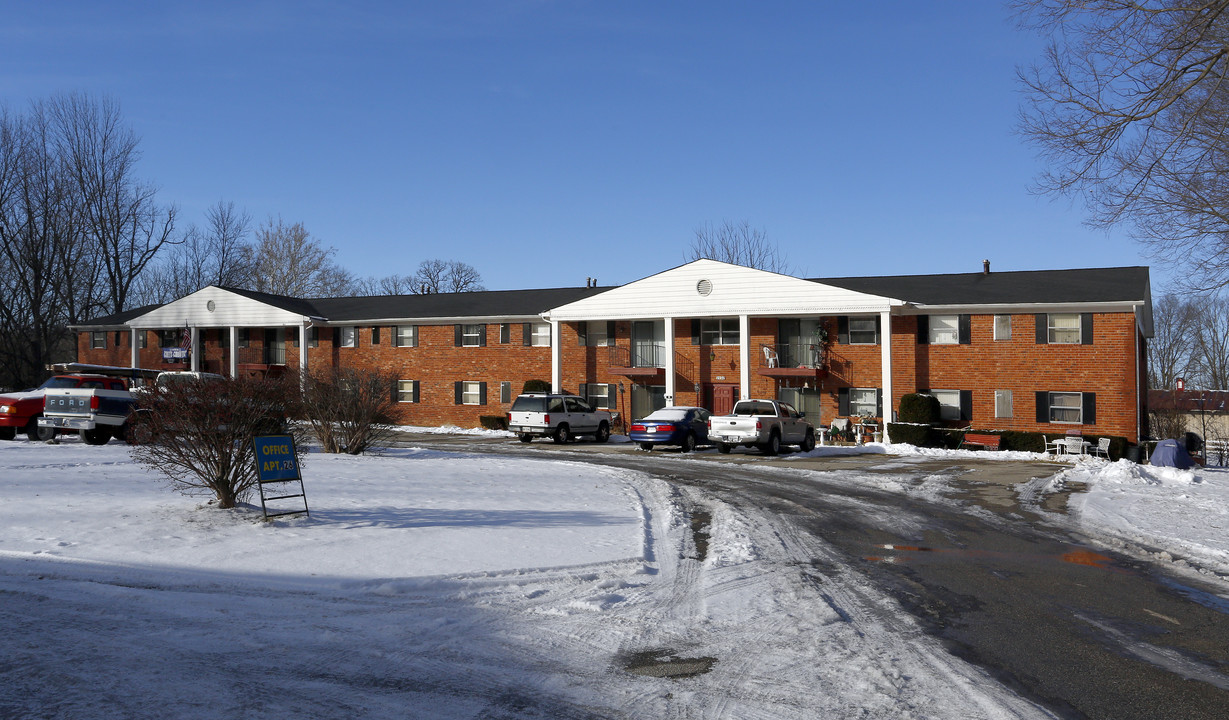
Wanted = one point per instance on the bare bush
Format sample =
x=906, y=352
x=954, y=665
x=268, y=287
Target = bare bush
x=199, y=435
x=349, y=409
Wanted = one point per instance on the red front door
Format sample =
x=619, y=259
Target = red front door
x=720, y=398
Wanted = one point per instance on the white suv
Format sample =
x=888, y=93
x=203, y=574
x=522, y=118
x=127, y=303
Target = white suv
x=559, y=417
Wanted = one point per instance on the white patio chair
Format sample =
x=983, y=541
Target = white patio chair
x=770, y=357
x=1075, y=445
x=1102, y=448
x=1055, y=447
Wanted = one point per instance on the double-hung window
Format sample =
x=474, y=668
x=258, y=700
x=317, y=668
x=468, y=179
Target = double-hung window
x=949, y=403
x=719, y=331
x=1066, y=407
x=406, y=336
x=472, y=335
x=863, y=331
x=944, y=329
x=863, y=402
x=1063, y=328
x=471, y=393
x=599, y=395
x=347, y=336
x=98, y=340
x=539, y=335
x=407, y=391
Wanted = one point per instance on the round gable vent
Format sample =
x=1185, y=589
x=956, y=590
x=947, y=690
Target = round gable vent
x=704, y=287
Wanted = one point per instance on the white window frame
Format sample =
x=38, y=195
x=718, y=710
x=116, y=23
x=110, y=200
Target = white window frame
x=863, y=402
x=598, y=395
x=594, y=337
x=1062, y=334
x=471, y=336
x=1067, y=411
x=347, y=336
x=1002, y=327
x=866, y=326
x=471, y=392
x=949, y=403
x=539, y=334
x=505, y=391
x=1003, y=406
x=405, y=391
x=719, y=331
x=94, y=338
x=944, y=330
x=405, y=336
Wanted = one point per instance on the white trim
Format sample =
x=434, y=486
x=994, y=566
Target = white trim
x=556, y=358
x=744, y=357
x=668, y=328
x=885, y=354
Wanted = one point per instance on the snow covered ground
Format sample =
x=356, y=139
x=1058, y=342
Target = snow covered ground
x=438, y=585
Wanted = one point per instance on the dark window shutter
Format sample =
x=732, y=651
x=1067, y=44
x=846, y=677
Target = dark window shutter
x=878, y=403
x=923, y=329
x=695, y=331
x=505, y=333
x=878, y=328
x=610, y=332
x=396, y=396
x=842, y=401
x=966, y=403
x=582, y=332
x=456, y=392
x=456, y=341
x=1086, y=328
x=1090, y=408
x=1043, y=330
x=482, y=335
x=482, y=393
x=415, y=391
x=294, y=336
x=612, y=396
x=1043, y=407
x=375, y=335
x=526, y=333
x=414, y=343
x=965, y=331
x=842, y=335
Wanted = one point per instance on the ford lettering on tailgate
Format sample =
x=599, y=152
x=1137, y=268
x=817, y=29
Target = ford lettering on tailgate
x=68, y=404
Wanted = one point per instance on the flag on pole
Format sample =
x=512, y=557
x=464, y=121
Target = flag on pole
x=185, y=341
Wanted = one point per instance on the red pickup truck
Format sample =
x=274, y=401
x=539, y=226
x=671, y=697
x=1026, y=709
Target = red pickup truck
x=20, y=411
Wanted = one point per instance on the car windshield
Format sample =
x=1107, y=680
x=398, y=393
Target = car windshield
x=525, y=403
x=669, y=414
x=59, y=382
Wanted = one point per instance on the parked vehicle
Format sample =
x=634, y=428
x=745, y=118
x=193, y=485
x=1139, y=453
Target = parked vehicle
x=21, y=411
x=766, y=424
x=684, y=426
x=98, y=411
x=559, y=417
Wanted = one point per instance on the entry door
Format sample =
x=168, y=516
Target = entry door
x=275, y=346
x=646, y=399
x=721, y=398
x=648, y=344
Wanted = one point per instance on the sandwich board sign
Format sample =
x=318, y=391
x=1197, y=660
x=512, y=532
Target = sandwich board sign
x=278, y=462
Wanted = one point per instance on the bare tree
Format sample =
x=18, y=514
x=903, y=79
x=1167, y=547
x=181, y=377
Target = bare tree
x=287, y=260
x=211, y=256
x=1211, y=345
x=1130, y=106
x=388, y=285
x=349, y=409
x=1170, y=351
x=739, y=244
x=446, y=276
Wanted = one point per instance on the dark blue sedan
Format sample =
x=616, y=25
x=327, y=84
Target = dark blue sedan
x=682, y=426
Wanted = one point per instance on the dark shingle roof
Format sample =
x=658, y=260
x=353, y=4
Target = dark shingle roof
x=118, y=318
x=1095, y=285
x=486, y=303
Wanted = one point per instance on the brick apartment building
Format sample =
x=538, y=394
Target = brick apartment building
x=1038, y=350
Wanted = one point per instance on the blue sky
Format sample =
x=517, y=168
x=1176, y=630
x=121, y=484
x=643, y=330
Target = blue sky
x=546, y=142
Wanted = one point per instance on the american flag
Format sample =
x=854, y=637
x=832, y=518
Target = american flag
x=185, y=341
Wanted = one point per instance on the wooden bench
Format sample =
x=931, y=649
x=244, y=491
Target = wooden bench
x=986, y=441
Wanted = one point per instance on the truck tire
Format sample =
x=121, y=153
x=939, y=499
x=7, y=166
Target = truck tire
x=97, y=436
x=773, y=446
x=525, y=437
x=563, y=434
x=603, y=433
x=808, y=442
x=8, y=433
x=36, y=433
x=724, y=448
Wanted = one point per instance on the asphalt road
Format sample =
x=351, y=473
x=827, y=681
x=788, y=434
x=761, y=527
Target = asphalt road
x=1085, y=632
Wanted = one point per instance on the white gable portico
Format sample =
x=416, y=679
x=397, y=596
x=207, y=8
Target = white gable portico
x=219, y=308
x=711, y=289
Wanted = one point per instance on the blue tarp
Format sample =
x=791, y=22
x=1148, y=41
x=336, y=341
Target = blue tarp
x=1169, y=453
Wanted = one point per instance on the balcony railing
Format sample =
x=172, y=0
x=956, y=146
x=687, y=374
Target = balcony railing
x=807, y=356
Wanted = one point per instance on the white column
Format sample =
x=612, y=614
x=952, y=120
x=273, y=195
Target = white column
x=234, y=351
x=556, y=357
x=744, y=357
x=885, y=351
x=135, y=352
x=194, y=350
x=303, y=347
x=668, y=323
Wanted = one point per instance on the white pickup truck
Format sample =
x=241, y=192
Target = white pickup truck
x=766, y=424
x=100, y=413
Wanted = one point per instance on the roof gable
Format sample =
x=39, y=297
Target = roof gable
x=709, y=288
x=215, y=306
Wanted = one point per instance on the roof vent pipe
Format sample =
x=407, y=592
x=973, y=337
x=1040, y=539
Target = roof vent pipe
x=985, y=267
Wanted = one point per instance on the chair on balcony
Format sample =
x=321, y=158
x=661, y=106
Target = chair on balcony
x=770, y=357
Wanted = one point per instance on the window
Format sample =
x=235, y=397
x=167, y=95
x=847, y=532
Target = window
x=244, y=340
x=1002, y=398
x=505, y=391
x=505, y=333
x=944, y=329
x=597, y=334
x=576, y=405
x=1066, y=407
x=863, y=330
x=600, y=395
x=722, y=331
x=313, y=337
x=406, y=336
x=375, y=335
x=1002, y=330
x=347, y=336
x=540, y=335
x=143, y=338
x=471, y=393
x=407, y=391
x=98, y=340
x=1063, y=328
x=471, y=335
x=169, y=338
x=863, y=402
x=949, y=403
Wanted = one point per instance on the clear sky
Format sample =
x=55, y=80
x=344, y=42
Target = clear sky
x=546, y=142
